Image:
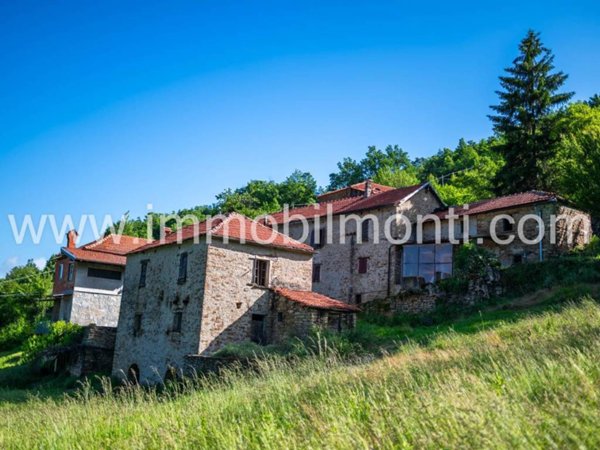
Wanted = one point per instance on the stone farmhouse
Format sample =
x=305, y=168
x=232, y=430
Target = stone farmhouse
x=222, y=281
x=351, y=265
x=560, y=226
x=88, y=280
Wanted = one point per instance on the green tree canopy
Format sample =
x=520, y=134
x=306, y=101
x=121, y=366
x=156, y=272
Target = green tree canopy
x=524, y=117
x=577, y=163
x=392, y=160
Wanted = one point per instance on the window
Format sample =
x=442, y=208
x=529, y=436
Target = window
x=506, y=225
x=177, y=319
x=183, y=260
x=517, y=259
x=261, y=272
x=398, y=266
x=365, y=226
x=316, y=273
x=358, y=299
x=61, y=271
x=430, y=262
x=143, y=271
x=137, y=324
x=102, y=273
x=362, y=265
x=318, y=237
x=71, y=272
x=279, y=317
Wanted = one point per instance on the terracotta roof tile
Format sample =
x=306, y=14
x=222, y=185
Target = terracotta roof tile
x=109, y=250
x=314, y=300
x=375, y=187
x=350, y=204
x=235, y=227
x=508, y=201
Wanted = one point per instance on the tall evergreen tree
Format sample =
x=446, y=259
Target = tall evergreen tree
x=525, y=117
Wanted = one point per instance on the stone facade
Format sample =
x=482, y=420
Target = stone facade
x=567, y=238
x=340, y=277
x=289, y=319
x=218, y=302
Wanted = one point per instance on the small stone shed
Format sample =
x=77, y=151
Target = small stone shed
x=296, y=313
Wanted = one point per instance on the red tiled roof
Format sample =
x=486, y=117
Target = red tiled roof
x=350, y=204
x=235, y=227
x=508, y=201
x=109, y=250
x=375, y=187
x=314, y=300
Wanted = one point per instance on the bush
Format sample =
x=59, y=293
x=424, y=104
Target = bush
x=15, y=333
x=60, y=333
x=525, y=278
x=591, y=250
x=471, y=262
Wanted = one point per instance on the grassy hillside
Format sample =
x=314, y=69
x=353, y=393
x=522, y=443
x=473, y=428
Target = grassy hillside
x=524, y=374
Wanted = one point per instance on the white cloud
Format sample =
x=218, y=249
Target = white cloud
x=40, y=262
x=8, y=264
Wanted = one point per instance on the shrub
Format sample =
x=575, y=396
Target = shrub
x=15, y=333
x=60, y=333
x=471, y=262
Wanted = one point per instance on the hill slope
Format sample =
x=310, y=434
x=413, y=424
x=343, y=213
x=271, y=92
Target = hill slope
x=531, y=381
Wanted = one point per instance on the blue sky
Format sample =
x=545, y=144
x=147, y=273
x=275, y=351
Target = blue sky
x=109, y=106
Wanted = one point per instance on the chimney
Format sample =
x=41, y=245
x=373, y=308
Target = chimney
x=368, y=188
x=72, y=238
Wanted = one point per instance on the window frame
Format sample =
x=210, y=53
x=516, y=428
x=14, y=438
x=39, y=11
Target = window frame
x=90, y=274
x=435, y=263
x=316, y=275
x=143, y=272
x=363, y=264
x=365, y=230
x=71, y=272
x=183, y=268
x=258, y=273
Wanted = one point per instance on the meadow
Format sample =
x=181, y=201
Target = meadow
x=523, y=374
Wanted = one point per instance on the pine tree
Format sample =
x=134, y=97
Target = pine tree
x=526, y=118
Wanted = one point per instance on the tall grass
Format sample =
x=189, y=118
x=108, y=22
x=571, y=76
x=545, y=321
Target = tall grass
x=533, y=383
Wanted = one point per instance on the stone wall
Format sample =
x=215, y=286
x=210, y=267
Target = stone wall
x=87, y=308
x=291, y=319
x=339, y=260
x=95, y=354
x=479, y=232
x=217, y=302
x=230, y=297
x=410, y=302
x=155, y=346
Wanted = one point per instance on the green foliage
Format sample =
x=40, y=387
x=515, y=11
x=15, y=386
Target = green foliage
x=59, y=334
x=376, y=164
x=465, y=174
x=21, y=291
x=577, y=163
x=397, y=177
x=567, y=271
x=471, y=262
x=256, y=198
x=525, y=117
x=15, y=333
